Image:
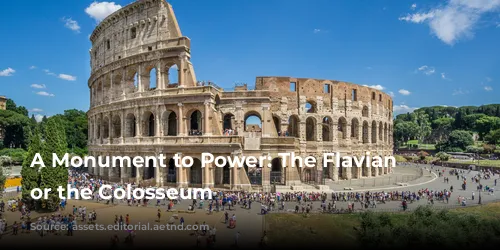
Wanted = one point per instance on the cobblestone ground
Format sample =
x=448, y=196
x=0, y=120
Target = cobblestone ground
x=249, y=221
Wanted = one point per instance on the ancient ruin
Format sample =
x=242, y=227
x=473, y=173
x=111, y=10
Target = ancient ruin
x=145, y=100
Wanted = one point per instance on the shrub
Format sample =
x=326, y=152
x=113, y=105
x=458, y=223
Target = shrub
x=442, y=156
x=422, y=155
x=16, y=154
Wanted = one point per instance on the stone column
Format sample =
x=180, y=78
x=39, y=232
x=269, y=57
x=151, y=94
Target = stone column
x=181, y=174
x=157, y=121
x=180, y=69
x=159, y=75
x=265, y=124
x=124, y=81
x=319, y=131
x=123, y=125
x=180, y=120
x=208, y=181
x=206, y=119
x=137, y=124
x=158, y=176
x=111, y=91
x=235, y=182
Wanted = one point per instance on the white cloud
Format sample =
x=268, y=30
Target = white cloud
x=399, y=109
x=488, y=88
x=317, y=30
x=427, y=70
x=38, y=86
x=455, y=20
x=460, y=91
x=38, y=117
x=48, y=72
x=100, y=10
x=391, y=94
x=71, y=24
x=7, y=72
x=444, y=77
x=67, y=77
x=404, y=92
x=43, y=93
x=413, y=6
x=32, y=67
x=377, y=87
x=36, y=110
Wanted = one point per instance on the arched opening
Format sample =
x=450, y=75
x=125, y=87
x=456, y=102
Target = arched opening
x=152, y=79
x=310, y=129
x=253, y=122
x=342, y=128
x=136, y=81
x=385, y=132
x=172, y=172
x=117, y=171
x=195, y=127
x=117, y=126
x=380, y=131
x=311, y=107
x=98, y=127
x=328, y=171
x=105, y=128
x=133, y=172
x=277, y=176
x=327, y=129
x=365, y=132
x=254, y=174
x=217, y=102
x=222, y=175
x=277, y=125
x=149, y=124
x=309, y=175
x=374, y=132
x=342, y=170
x=365, y=113
x=228, y=122
x=195, y=173
x=172, y=124
x=173, y=75
x=293, y=126
x=355, y=129
x=130, y=126
x=149, y=171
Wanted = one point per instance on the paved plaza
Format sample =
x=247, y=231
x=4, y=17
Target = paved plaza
x=250, y=222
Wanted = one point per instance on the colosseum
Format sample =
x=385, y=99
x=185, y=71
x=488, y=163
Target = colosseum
x=145, y=100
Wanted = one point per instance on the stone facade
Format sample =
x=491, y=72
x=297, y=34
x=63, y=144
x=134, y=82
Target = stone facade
x=139, y=109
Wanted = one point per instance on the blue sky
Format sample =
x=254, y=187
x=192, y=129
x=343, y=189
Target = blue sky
x=423, y=52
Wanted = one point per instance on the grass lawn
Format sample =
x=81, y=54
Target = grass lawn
x=489, y=163
x=420, y=145
x=297, y=230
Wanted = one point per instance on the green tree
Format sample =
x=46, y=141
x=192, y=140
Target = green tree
x=493, y=137
x=53, y=176
x=458, y=139
x=424, y=125
x=31, y=175
x=404, y=131
x=16, y=128
x=11, y=105
x=485, y=124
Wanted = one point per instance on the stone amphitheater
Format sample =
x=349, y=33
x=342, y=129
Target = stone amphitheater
x=145, y=100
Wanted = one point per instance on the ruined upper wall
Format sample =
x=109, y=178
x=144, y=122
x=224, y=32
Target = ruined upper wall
x=145, y=25
x=327, y=89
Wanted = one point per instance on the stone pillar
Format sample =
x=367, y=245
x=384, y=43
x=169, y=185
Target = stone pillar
x=368, y=169
x=111, y=91
x=159, y=75
x=208, y=181
x=124, y=81
x=181, y=174
x=206, y=119
x=157, y=121
x=158, y=175
x=110, y=127
x=319, y=131
x=265, y=129
x=235, y=182
x=138, y=121
x=181, y=67
x=180, y=120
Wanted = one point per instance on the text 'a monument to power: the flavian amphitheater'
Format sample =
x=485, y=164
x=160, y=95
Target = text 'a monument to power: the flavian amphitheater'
x=145, y=100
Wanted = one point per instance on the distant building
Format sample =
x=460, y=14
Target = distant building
x=3, y=103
